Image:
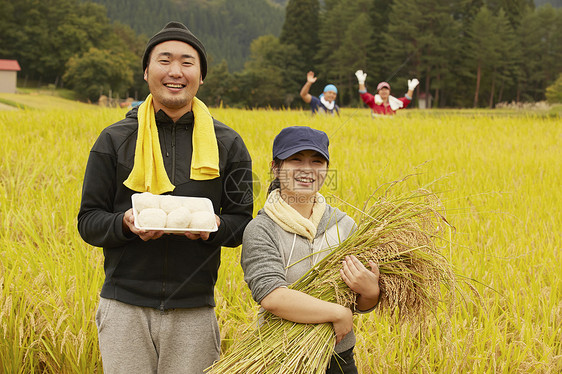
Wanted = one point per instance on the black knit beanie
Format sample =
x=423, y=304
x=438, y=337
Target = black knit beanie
x=176, y=31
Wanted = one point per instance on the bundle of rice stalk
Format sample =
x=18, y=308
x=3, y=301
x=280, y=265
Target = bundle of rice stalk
x=402, y=235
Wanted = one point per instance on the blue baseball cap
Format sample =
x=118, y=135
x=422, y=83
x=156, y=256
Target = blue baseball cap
x=300, y=138
x=330, y=87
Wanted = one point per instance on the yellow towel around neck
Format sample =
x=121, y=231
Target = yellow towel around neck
x=292, y=221
x=205, y=155
x=149, y=174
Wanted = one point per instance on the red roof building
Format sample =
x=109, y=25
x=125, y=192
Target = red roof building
x=11, y=65
x=8, y=75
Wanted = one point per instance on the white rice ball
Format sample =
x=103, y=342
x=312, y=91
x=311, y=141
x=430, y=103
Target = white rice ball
x=169, y=203
x=152, y=217
x=195, y=204
x=179, y=218
x=146, y=200
x=203, y=220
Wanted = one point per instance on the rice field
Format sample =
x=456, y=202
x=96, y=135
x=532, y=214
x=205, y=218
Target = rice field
x=497, y=172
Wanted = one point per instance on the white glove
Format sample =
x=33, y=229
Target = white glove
x=361, y=76
x=412, y=84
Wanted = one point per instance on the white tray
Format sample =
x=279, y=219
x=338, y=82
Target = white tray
x=168, y=230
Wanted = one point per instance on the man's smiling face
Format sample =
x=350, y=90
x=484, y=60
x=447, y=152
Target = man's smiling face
x=173, y=76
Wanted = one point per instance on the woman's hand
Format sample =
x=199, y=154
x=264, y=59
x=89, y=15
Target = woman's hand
x=361, y=280
x=343, y=324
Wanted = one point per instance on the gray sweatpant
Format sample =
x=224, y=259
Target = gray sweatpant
x=139, y=340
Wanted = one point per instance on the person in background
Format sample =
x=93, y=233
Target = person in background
x=293, y=232
x=156, y=311
x=326, y=103
x=383, y=102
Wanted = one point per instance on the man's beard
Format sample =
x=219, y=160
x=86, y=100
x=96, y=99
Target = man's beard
x=174, y=102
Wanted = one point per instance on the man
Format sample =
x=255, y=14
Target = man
x=326, y=103
x=156, y=311
x=383, y=103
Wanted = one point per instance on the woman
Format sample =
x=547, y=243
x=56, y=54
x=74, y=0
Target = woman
x=295, y=230
x=383, y=103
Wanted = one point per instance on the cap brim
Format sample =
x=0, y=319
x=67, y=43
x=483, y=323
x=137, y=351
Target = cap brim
x=289, y=152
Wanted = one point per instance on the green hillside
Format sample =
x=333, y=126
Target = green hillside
x=226, y=27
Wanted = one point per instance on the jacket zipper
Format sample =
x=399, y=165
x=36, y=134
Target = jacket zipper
x=173, y=153
x=165, y=254
x=165, y=142
x=164, y=275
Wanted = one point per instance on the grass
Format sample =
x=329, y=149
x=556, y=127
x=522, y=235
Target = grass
x=49, y=90
x=498, y=175
x=42, y=99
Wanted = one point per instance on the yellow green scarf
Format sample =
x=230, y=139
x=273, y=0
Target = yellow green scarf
x=149, y=174
x=292, y=221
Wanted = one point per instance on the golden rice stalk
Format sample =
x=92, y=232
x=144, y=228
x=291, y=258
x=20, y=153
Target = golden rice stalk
x=402, y=235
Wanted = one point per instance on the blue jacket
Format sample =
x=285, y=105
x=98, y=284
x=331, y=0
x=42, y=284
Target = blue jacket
x=317, y=107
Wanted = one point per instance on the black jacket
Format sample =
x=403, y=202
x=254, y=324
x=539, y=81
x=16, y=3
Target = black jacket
x=173, y=271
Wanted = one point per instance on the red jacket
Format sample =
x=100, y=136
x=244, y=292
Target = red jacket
x=381, y=108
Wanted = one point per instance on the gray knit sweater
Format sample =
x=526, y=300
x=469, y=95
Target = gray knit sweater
x=267, y=250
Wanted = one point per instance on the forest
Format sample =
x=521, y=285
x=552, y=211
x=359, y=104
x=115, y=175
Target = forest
x=226, y=27
x=466, y=53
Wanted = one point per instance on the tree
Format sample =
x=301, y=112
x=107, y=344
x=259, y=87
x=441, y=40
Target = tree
x=98, y=71
x=422, y=37
x=301, y=29
x=539, y=39
x=503, y=71
x=379, y=12
x=529, y=42
x=123, y=40
x=226, y=27
x=81, y=27
x=43, y=35
x=439, y=41
x=268, y=78
x=554, y=91
x=514, y=9
x=346, y=32
x=351, y=56
x=218, y=85
x=551, y=43
x=11, y=34
x=482, y=52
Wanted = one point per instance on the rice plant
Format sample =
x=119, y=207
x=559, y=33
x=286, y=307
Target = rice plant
x=399, y=233
x=500, y=172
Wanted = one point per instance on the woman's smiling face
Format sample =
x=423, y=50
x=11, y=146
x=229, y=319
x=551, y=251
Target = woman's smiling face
x=302, y=174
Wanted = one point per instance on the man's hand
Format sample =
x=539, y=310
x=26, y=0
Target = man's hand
x=129, y=226
x=361, y=76
x=203, y=235
x=412, y=84
x=310, y=78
